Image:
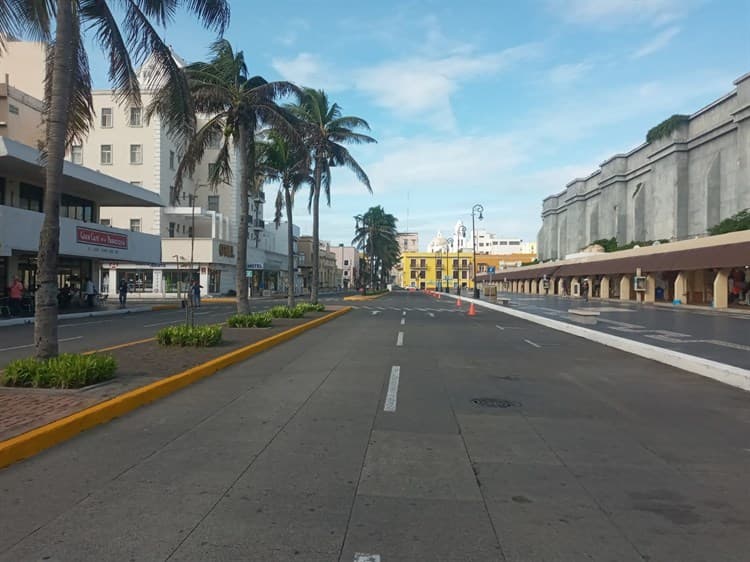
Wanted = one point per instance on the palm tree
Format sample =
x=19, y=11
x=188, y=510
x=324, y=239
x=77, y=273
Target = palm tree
x=69, y=109
x=238, y=107
x=289, y=164
x=325, y=131
x=376, y=234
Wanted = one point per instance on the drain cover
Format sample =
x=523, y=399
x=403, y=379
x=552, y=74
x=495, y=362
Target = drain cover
x=494, y=403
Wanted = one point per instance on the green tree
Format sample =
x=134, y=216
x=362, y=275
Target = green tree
x=239, y=106
x=376, y=235
x=325, y=131
x=68, y=107
x=287, y=163
x=739, y=221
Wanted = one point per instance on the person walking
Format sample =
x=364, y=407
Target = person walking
x=16, y=296
x=122, y=291
x=585, y=290
x=196, y=291
x=90, y=292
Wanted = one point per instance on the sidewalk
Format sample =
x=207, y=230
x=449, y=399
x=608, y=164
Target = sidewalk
x=102, y=310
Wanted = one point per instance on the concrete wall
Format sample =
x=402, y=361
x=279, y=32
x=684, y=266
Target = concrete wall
x=674, y=188
x=21, y=114
x=24, y=63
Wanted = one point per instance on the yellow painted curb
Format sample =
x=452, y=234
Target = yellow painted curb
x=365, y=297
x=37, y=440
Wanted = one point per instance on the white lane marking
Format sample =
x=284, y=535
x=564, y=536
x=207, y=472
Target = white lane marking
x=403, y=321
x=392, y=396
x=499, y=327
x=163, y=323
x=375, y=312
x=532, y=343
x=431, y=315
x=359, y=557
x=204, y=313
x=400, y=339
x=404, y=313
x=32, y=345
x=83, y=324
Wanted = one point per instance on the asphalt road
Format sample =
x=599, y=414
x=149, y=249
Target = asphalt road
x=376, y=434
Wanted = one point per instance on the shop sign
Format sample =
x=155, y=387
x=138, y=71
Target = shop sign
x=255, y=266
x=226, y=250
x=101, y=238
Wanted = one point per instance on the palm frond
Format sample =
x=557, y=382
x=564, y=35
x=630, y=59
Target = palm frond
x=341, y=157
x=349, y=122
x=28, y=18
x=195, y=150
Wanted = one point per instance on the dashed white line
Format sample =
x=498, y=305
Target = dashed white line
x=400, y=339
x=83, y=324
x=391, y=398
x=403, y=321
x=359, y=557
x=404, y=313
x=431, y=314
x=163, y=323
x=375, y=312
x=532, y=343
x=499, y=327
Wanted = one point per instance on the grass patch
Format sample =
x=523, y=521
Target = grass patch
x=65, y=371
x=252, y=320
x=190, y=336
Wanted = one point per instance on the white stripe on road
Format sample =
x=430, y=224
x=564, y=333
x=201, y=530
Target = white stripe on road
x=375, y=312
x=32, y=345
x=431, y=315
x=163, y=323
x=83, y=324
x=359, y=557
x=532, y=343
x=403, y=321
x=400, y=339
x=404, y=314
x=499, y=327
x=392, y=396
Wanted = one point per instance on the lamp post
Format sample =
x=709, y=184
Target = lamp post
x=460, y=233
x=475, y=210
x=447, y=267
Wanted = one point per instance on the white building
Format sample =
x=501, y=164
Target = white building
x=347, y=262
x=408, y=241
x=487, y=243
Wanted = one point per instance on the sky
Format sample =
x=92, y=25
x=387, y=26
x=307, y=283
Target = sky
x=493, y=102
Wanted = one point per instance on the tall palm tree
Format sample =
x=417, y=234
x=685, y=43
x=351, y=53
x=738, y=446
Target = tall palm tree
x=68, y=104
x=288, y=163
x=239, y=106
x=376, y=234
x=326, y=131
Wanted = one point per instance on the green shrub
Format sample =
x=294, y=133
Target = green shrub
x=256, y=320
x=65, y=371
x=281, y=311
x=193, y=336
x=310, y=307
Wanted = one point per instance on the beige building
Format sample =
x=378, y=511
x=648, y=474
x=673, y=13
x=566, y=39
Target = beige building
x=408, y=241
x=330, y=275
x=347, y=262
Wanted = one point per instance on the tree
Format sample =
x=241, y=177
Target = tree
x=376, y=234
x=238, y=107
x=326, y=131
x=739, y=221
x=287, y=163
x=68, y=107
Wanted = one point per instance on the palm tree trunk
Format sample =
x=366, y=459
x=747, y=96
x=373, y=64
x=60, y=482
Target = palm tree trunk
x=246, y=170
x=316, y=233
x=289, y=246
x=45, y=324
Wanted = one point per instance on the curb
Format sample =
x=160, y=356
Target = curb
x=365, y=297
x=728, y=374
x=37, y=440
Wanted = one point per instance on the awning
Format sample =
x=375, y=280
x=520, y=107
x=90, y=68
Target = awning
x=528, y=272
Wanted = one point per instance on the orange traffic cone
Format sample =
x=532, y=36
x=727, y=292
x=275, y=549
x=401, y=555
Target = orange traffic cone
x=458, y=301
x=472, y=311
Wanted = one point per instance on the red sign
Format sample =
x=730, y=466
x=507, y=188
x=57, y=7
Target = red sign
x=101, y=238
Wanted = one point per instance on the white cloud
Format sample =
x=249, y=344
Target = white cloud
x=291, y=35
x=422, y=87
x=661, y=40
x=568, y=74
x=307, y=69
x=612, y=13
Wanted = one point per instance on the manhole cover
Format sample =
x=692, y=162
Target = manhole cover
x=494, y=403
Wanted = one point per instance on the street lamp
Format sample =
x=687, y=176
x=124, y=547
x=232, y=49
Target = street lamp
x=460, y=233
x=475, y=210
x=447, y=267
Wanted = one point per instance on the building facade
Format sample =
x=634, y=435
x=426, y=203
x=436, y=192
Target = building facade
x=347, y=262
x=330, y=275
x=408, y=241
x=683, y=182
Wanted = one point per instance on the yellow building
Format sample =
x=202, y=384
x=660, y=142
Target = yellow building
x=428, y=270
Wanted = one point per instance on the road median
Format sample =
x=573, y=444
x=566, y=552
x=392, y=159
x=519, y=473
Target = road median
x=36, y=440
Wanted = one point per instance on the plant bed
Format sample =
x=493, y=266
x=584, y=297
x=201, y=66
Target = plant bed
x=68, y=370
x=189, y=336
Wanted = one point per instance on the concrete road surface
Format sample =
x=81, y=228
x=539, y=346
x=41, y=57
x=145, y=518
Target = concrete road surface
x=404, y=435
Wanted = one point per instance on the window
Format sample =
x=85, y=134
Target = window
x=439, y=264
x=138, y=280
x=135, y=225
x=137, y=183
x=136, y=154
x=422, y=263
x=211, y=170
x=455, y=264
x=171, y=159
x=76, y=154
x=190, y=231
x=213, y=203
x=413, y=263
x=105, y=155
x=31, y=197
x=464, y=275
x=346, y=262
x=464, y=263
x=107, y=118
x=515, y=242
x=106, y=222
x=214, y=141
x=76, y=208
x=422, y=274
x=13, y=109
x=171, y=230
x=135, y=117
x=413, y=274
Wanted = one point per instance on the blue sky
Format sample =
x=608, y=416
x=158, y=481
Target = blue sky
x=498, y=103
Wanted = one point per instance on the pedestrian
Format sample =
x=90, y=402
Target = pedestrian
x=585, y=290
x=16, y=296
x=90, y=292
x=196, y=290
x=123, y=292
